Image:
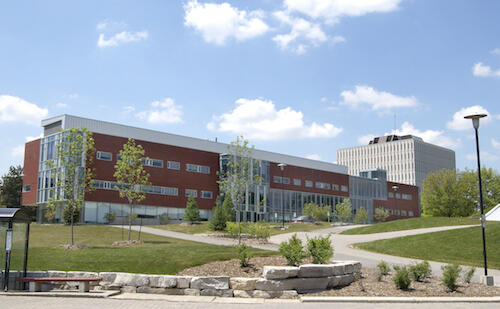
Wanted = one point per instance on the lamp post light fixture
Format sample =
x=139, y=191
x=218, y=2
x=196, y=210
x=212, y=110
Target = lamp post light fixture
x=282, y=167
x=475, y=123
x=395, y=189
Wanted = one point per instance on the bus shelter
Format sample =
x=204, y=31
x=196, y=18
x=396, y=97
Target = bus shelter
x=14, y=240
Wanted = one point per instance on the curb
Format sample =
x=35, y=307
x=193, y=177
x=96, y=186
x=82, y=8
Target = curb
x=73, y=294
x=378, y=299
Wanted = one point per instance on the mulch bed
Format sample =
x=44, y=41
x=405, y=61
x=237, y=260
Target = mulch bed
x=368, y=285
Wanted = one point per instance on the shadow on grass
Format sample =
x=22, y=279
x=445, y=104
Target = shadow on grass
x=157, y=242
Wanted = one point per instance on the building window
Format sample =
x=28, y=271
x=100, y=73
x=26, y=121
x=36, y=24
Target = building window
x=398, y=196
x=322, y=185
x=173, y=165
x=105, y=156
x=407, y=197
x=296, y=182
x=112, y=185
x=309, y=183
x=152, y=162
x=197, y=168
x=403, y=213
x=283, y=180
x=410, y=213
x=335, y=187
x=389, y=211
x=344, y=189
x=27, y=188
x=390, y=194
x=397, y=212
x=192, y=192
x=206, y=194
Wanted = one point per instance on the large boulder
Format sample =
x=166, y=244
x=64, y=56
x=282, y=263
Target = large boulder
x=245, y=284
x=219, y=283
x=299, y=284
x=316, y=270
x=280, y=272
x=217, y=292
x=183, y=282
x=162, y=281
x=126, y=279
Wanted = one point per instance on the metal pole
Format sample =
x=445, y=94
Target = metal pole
x=483, y=219
x=26, y=246
x=8, y=248
x=282, y=201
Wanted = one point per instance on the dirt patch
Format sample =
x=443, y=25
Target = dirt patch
x=122, y=243
x=368, y=285
x=73, y=247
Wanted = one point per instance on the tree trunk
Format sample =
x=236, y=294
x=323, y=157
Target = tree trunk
x=72, y=234
x=130, y=221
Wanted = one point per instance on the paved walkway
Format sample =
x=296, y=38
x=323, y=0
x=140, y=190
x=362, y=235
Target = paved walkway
x=29, y=302
x=345, y=251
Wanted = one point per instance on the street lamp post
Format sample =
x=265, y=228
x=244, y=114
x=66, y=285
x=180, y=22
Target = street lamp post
x=395, y=189
x=475, y=123
x=282, y=167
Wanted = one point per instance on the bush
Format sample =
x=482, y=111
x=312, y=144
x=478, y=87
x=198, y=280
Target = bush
x=380, y=215
x=468, y=274
x=243, y=255
x=191, y=213
x=401, y=278
x=361, y=216
x=451, y=272
x=383, y=270
x=293, y=251
x=110, y=217
x=258, y=230
x=164, y=218
x=228, y=207
x=343, y=211
x=420, y=271
x=316, y=212
x=67, y=215
x=232, y=229
x=320, y=249
x=219, y=220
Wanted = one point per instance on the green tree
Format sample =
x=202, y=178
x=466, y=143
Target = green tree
x=191, y=213
x=11, y=186
x=73, y=173
x=316, y=212
x=380, y=215
x=361, y=216
x=343, y=211
x=447, y=193
x=239, y=174
x=491, y=187
x=131, y=176
x=219, y=219
x=228, y=207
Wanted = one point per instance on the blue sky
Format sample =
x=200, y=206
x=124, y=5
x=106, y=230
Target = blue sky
x=302, y=77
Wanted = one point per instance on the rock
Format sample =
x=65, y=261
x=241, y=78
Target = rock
x=266, y=294
x=333, y=281
x=169, y=291
x=270, y=285
x=35, y=274
x=183, y=282
x=82, y=274
x=98, y=288
x=123, y=279
x=338, y=269
x=243, y=293
x=144, y=289
x=299, y=284
x=316, y=270
x=246, y=284
x=218, y=283
x=346, y=279
x=107, y=277
x=280, y=272
x=289, y=294
x=162, y=281
x=128, y=289
x=56, y=274
x=192, y=292
x=217, y=292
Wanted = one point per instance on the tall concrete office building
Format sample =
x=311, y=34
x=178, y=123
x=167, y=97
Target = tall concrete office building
x=407, y=159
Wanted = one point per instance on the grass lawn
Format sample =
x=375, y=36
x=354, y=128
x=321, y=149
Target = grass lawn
x=462, y=246
x=158, y=255
x=410, y=224
x=203, y=227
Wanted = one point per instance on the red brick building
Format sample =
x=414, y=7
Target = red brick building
x=180, y=166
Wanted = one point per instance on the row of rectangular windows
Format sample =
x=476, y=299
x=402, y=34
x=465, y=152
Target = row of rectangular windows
x=309, y=184
x=173, y=165
x=397, y=212
x=399, y=196
x=112, y=185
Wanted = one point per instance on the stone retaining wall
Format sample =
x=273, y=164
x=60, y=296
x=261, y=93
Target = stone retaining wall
x=277, y=281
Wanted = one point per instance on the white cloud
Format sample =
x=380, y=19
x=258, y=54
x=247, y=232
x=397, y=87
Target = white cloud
x=458, y=122
x=495, y=144
x=314, y=156
x=122, y=37
x=332, y=10
x=71, y=96
x=378, y=100
x=430, y=136
x=496, y=51
x=15, y=109
x=481, y=70
x=324, y=99
x=485, y=157
x=365, y=139
x=338, y=39
x=61, y=105
x=32, y=138
x=302, y=35
x=128, y=109
x=107, y=24
x=219, y=22
x=165, y=111
x=17, y=151
x=259, y=119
